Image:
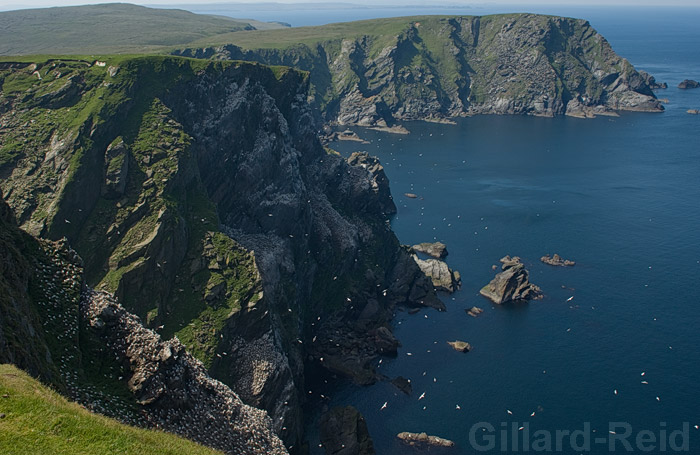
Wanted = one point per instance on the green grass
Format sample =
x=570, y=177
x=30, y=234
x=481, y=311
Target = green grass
x=112, y=28
x=40, y=421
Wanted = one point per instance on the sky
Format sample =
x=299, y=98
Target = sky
x=19, y=4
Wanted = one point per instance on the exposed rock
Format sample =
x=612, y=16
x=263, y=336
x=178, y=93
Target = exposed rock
x=474, y=311
x=116, y=170
x=651, y=81
x=347, y=135
x=344, y=432
x=423, y=440
x=557, y=261
x=443, y=278
x=403, y=384
x=688, y=83
x=396, y=129
x=173, y=388
x=511, y=284
x=461, y=346
x=437, y=250
x=378, y=179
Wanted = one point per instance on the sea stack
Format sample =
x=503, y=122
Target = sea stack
x=511, y=284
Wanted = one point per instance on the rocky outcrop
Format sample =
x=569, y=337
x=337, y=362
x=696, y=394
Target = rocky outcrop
x=443, y=278
x=688, y=84
x=442, y=67
x=557, y=260
x=651, y=81
x=460, y=346
x=474, y=311
x=344, y=432
x=378, y=180
x=438, y=250
x=172, y=388
x=511, y=284
x=424, y=441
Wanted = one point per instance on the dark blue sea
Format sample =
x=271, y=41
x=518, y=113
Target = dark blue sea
x=621, y=197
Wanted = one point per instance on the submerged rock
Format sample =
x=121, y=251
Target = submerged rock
x=688, y=83
x=403, y=384
x=557, y=260
x=423, y=440
x=443, y=277
x=437, y=250
x=344, y=432
x=511, y=284
x=461, y=346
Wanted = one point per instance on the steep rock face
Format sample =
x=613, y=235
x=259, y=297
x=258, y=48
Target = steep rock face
x=443, y=277
x=344, y=432
x=22, y=338
x=441, y=67
x=199, y=194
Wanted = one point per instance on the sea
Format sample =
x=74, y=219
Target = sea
x=609, y=360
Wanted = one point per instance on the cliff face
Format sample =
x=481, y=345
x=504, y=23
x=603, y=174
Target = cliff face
x=88, y=347
x=442, y=67
x=198, y=193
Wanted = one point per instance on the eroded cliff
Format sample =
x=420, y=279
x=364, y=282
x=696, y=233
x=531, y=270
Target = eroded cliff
x=434, y=68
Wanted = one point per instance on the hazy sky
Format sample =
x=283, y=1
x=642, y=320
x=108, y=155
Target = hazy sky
x=17, y=4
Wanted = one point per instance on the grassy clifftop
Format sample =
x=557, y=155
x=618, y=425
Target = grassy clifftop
x=37, y=420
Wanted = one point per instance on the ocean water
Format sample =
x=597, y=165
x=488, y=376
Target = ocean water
x=621, y=197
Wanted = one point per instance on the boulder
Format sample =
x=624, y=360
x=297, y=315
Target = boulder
x=443, y=278
x=461, y=346
x=557, y=260
x=344, y=432
x=437, y=250
x=511, y=284
x=688, y=83
x=423, y=440
x=474, y=311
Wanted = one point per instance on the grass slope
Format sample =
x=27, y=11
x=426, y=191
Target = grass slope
x=108, y=28
x=39, y=421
